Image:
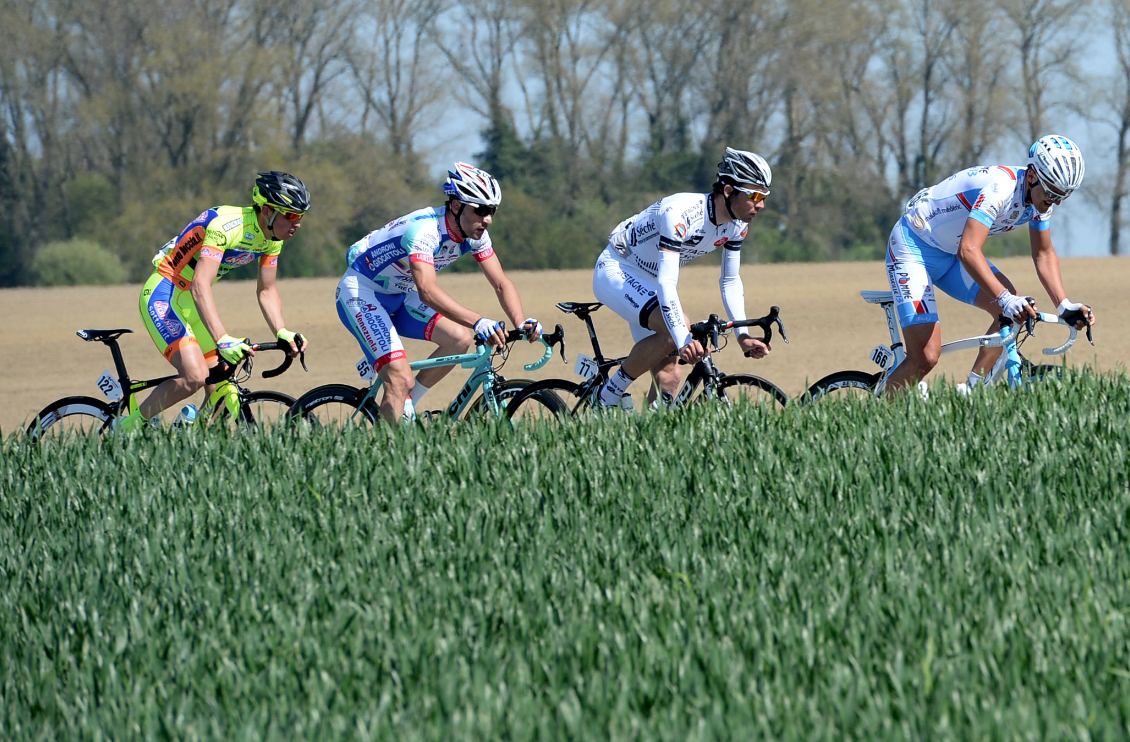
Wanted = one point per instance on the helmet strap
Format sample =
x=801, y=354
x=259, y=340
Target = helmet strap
x=458, y=214
x=728, y=207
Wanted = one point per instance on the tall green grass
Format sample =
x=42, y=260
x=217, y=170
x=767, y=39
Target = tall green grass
x=955, y=568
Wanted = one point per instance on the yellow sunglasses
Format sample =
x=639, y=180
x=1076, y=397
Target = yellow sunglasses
x=752, y=195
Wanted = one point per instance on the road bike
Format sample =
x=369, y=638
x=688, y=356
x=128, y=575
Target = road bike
x=338, y=405
x=555, y=399
x=1011, y=366
x=229, y=400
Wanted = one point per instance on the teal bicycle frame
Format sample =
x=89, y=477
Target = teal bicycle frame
x=483, y=375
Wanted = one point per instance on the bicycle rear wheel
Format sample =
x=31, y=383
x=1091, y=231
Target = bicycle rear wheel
x=334, y=406
x=72, y=416
x=735, y=389
x=263, y=408
x=544, y=401
x=843, y=385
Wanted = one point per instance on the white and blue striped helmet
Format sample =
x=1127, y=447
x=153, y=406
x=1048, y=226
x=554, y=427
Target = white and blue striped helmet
x=1058, y=163
x=472, y=185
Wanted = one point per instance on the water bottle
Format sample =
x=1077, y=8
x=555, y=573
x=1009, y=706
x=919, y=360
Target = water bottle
x=409, y=414
x=627, y=404
x=187, y=416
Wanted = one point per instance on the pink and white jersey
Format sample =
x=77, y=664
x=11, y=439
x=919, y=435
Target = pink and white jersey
x=683, y=222
x=991, y=194
x=384, y=256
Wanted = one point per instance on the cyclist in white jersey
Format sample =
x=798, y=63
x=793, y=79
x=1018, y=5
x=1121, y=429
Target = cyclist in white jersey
x=637, y=274
x=390, y=288
x=939, y=241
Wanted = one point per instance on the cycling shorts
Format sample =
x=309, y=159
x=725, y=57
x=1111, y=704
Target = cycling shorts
x=171, y=317
x=630, y=293
x=914, y=268
x=378, y=321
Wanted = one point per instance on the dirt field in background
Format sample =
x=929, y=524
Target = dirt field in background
x=830, y=327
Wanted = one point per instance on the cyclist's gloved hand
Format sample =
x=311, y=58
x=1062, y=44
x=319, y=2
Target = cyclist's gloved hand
x=486, y=328
x=1012, y=306
x=286, y=336
x=232, y=349
x=532, y=328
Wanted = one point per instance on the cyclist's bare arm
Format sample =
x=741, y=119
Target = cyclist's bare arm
x=435, y=297
x=1047, y=268
x=202, y=280
x=270, y=303
x=508, y=297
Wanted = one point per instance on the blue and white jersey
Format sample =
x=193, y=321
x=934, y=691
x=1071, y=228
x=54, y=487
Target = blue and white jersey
x=384, y=256
x=993, y=195
x=683, y=222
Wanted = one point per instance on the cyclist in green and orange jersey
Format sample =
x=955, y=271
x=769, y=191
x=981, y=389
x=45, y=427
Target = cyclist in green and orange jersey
x=177, y=306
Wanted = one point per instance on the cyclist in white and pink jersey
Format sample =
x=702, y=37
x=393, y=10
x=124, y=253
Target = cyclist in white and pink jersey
x=390, y=288
x=940, y=238
x=637, y=273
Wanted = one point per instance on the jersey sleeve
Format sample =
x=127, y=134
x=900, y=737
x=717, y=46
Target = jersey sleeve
x=672, y=229
x=993, y=198
x=215, y=241
x=482, y=249
x=421, y=244
x=1042, y=222
x=270, y=258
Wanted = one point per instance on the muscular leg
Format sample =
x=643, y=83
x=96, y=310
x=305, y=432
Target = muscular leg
x=651, y=351
x=923, y=345
x=192, y=370
x=667, y=377
x=452, y=339
x=397, y=377
x=986, y=357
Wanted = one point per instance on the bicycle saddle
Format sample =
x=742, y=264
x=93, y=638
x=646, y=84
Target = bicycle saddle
x=101, y=335
x=569, y=307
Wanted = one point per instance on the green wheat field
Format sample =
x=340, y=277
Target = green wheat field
x=951, y=568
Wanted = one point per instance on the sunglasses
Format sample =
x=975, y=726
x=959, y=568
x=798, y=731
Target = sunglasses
x=483, y=210
x=755, y=196
x=1053, y=197
x=290, y=216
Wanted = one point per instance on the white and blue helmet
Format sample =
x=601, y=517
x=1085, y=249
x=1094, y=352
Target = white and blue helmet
x=472, y=185
x=1058, y=163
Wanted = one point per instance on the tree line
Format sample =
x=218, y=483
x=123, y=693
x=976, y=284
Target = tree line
x=120, y=120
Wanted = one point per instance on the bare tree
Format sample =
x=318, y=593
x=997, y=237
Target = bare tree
x=1046, y=35
x=398, y=81
x=1119, y=11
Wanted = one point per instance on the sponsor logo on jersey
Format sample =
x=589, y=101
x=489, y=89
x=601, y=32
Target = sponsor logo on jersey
x=643, y=230
x=233, y=224
x=918, y=222
x=719, y=243
x=680, y=230
x=174, y=327
x=211, y=253
x=239, y=258
x=216, y=237
x=162, y=308
x=248, y=237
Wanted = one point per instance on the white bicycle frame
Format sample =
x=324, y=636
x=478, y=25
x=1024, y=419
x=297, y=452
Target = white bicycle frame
x=889, y=357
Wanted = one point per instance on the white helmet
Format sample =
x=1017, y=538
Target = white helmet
x=745, y=167
x=1058, y=163
x=472, y=186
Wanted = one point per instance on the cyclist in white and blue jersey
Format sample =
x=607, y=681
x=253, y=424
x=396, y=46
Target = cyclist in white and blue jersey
x=637, y=274
x=390, y=288
x=940, y=238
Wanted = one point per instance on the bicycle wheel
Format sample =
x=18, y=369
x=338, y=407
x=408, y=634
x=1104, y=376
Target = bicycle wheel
x=843, y=385
x=544, y=401
x=334, y=406
x=735, y=389
x=72, y=416
x=261, y=408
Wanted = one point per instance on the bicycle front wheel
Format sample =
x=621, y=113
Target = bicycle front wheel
x=735, y=389
x=504, y=392
x=72, y=416
x=843, y=385
x=334, y=406
x=543, y=401
x=264, y=408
